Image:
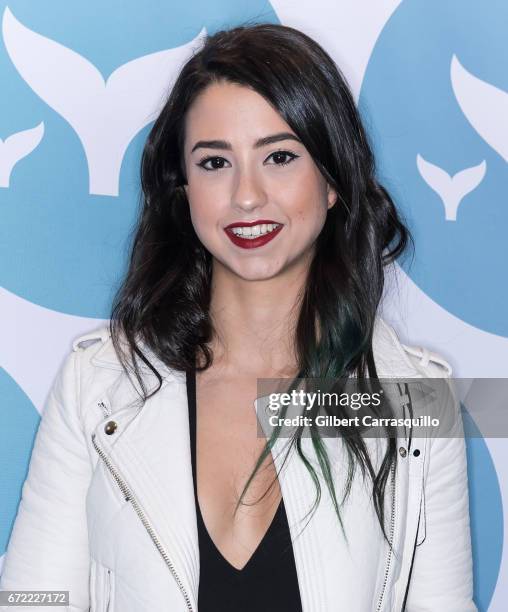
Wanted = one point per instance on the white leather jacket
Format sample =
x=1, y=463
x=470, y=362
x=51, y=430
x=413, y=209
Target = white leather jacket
x=108, y=512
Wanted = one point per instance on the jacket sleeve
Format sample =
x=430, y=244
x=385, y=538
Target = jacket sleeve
x=48, y=546
x=442, y=574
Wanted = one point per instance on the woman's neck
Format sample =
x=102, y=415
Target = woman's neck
x=255, y=322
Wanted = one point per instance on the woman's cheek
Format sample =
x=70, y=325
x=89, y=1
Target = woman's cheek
x=200, y=219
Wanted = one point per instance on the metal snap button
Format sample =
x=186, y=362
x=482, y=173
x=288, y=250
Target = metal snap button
x=402, y=451
x=271, y=411
x=416, y=452
x=110, y=427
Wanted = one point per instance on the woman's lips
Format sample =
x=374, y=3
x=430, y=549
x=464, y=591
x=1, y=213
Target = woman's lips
x=251, y=243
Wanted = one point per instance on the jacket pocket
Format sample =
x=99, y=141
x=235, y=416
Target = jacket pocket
x=102, y=588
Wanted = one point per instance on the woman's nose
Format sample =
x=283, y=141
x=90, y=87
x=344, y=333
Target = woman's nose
x=248, y=191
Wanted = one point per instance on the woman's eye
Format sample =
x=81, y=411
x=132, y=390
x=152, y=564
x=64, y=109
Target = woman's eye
x=216, y=163
x=280, y=158
x=283, y=158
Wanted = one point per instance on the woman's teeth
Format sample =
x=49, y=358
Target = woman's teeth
x=255, y=230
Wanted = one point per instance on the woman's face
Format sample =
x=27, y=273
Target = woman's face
x=246, y=167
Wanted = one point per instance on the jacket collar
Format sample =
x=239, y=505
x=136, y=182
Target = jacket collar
x=106, y=357
x=389, y=355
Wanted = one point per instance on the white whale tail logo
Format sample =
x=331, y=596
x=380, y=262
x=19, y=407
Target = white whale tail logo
x=16, y=147
x=484, y=106
x=451, y=190
x=106, y=115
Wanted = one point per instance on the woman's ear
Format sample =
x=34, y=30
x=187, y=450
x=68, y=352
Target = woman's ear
x=332, y=196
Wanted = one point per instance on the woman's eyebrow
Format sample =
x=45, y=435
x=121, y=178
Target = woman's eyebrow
x=261, y=142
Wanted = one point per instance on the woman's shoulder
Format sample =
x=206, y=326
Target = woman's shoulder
x=101, y=373
x=97, y=350
x=394, y=358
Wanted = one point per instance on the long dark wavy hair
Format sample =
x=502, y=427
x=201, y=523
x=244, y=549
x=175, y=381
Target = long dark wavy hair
x=164, y=298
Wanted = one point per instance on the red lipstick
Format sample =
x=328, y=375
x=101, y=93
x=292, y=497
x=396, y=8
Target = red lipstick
x=252, y=243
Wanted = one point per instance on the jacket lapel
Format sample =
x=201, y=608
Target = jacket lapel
x=329, y=570
x=150, y=450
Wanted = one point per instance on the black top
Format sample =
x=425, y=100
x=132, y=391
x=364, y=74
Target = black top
x=268, y=581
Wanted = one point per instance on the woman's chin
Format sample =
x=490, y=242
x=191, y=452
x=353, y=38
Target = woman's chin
x=255, y=272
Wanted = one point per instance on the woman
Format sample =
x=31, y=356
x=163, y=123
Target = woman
x=259, y=253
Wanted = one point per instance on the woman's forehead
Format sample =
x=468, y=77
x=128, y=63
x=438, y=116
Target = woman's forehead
x=225, y=107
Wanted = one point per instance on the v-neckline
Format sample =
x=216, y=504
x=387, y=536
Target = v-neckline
x=251, y=561
x=192, y=406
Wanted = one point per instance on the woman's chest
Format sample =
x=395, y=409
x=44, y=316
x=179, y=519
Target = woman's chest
x=228, y=437
x=237, y=501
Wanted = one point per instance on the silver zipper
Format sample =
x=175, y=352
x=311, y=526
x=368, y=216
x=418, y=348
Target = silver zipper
x=392, y=529
x=129, y=497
